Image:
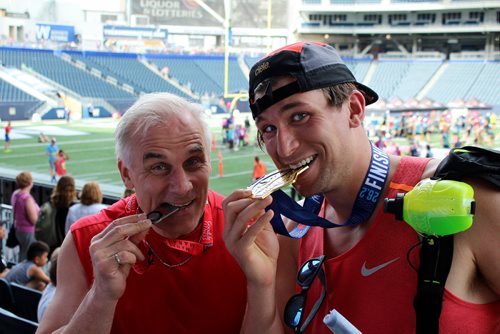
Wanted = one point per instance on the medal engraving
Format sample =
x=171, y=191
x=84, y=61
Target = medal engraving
x=266, y=185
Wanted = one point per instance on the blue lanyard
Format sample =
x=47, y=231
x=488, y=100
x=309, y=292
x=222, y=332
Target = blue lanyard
x=307, y=216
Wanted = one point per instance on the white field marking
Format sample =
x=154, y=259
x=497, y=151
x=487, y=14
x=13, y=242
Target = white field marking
x=108, y=181
x=249, y=173
x=69, y=142
x=90, y=175
x=44, y=154
x=109, y=125
x=95, y=175
x=14, y=135
x=49, y=130
x=79, y=162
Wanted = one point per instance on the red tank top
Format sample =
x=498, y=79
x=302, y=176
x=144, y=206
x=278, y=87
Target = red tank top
x=205, y=295
x=373, y=286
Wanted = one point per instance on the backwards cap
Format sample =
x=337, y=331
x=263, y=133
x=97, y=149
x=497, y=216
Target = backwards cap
x=313, y=65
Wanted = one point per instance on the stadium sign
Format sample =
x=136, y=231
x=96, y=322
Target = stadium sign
x=244, y=13
x=55, y=32
x=110, y=31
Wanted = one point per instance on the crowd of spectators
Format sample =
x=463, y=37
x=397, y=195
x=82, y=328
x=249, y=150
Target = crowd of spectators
x=40, y=230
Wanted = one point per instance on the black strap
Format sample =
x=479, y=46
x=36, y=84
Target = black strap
x=271, y=97
x=470, y=161
x=436, y=255
x=437, y=252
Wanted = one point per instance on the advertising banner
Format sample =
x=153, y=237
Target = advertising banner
x=110, y=31
x=244, y=13
x=55, y=32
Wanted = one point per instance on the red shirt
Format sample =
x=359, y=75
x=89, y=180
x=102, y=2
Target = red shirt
x=205, y=295
x=259, y=170
x=60, y=166
x=381, y=300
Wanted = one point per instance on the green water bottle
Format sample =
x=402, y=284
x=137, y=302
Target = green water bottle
x=435, y=207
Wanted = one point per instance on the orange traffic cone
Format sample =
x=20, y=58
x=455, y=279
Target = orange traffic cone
x=221, y=165
x=214, y=142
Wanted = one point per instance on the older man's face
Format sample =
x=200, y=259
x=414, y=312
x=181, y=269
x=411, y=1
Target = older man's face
x=171, y=165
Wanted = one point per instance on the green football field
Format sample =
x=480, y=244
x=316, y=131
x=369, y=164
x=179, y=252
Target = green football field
x=90, y=146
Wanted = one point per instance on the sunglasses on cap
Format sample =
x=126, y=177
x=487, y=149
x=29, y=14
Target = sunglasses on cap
x=295, y=307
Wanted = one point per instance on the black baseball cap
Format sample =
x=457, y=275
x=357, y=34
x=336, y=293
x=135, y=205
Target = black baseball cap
x=314, y=65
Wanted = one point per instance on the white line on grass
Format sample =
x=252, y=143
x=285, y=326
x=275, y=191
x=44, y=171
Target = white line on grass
x=98, y=174
x=69, y=142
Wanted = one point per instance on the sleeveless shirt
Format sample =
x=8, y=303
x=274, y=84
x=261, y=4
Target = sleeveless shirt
x=19, y=273
x=372, y=285
x=205, y=295
x=23, y=224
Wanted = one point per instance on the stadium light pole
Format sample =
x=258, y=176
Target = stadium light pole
x=226, y=23
x=227, y=44
x=269, y=23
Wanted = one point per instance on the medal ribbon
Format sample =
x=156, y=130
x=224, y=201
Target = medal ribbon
x=187, y=246
x=194, y=247
x=307, y=216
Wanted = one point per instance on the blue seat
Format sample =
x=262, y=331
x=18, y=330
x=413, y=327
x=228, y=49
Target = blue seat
x=13, y=324
x=26, y=301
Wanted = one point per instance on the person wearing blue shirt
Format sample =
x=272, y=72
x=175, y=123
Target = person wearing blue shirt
x=52, y=150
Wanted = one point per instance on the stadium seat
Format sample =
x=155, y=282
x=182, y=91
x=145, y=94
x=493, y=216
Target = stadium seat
x=6, y=298
x=26, y=301
x=13, y=324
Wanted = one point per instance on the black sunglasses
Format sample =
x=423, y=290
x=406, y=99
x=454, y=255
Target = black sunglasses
x=295, y=307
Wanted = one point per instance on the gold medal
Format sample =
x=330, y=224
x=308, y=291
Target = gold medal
x=268, y=184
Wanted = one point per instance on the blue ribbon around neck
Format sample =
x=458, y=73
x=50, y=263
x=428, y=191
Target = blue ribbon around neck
x=307, y=215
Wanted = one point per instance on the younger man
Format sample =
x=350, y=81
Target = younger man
x=309, y=111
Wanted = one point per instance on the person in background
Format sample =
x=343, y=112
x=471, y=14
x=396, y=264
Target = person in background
x=30, y=272
x=133, y=276
x=50, y=289
x=413, y=150
x=3, y=265
x=7, y=129
x=128, y=192
x=259, y=168
x=428, y=152
x=63, y=197
x=42, y=138
x=309, y=111
x=380, y=143
x=90, y=203
x=52, y=151
x=61, y=163
x=67, y=114
x=25, y=211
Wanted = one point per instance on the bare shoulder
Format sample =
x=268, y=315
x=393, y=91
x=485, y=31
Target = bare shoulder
x=430, y=168
x=70, y=291
x=475, y=273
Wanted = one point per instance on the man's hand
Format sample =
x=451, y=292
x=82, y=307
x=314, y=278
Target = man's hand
x=254, y=246
x=114, y=251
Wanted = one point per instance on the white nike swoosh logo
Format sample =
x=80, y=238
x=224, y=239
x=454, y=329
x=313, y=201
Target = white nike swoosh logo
x=370, y=271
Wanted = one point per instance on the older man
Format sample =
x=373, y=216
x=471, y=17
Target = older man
x=120, y=273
